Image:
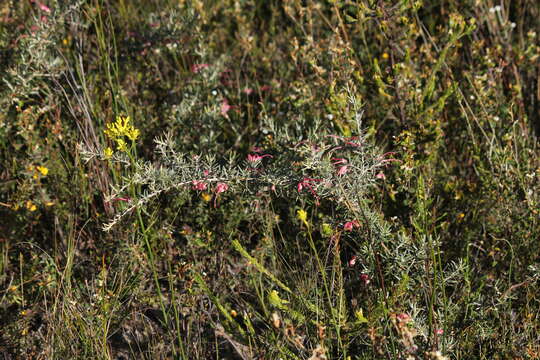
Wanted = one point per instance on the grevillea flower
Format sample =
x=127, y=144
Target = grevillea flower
x=350, y=225
x=352, y=261
x=308, y=184
x=256, y=157
x=126, y=199
x=365, y=278
x=44, y=7
x=380, y=176
x=225, y=107
x=342, y=170
x=195, y=68
x=338, y=161
x=402, y=317
x=221, y=187
x=198, y=185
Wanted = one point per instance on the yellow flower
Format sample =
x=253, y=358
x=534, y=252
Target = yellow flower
x=43, y=170
x=133, y=134
x=121, y=145
x=206, y=196
x=31, y=206
x=108, y=153
x=302, y=216
x=120, y=128
x=49, y=203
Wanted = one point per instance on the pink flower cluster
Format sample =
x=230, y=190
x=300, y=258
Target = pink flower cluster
x=225, y=107
x=350, y=225
x=344, y=168
x=365, y=279
x=252, y=158
x=308, y=184
x=196, y=68
x=198, y=185
x=221, y=187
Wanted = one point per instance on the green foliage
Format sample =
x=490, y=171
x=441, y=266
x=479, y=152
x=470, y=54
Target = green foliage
x=297, y=179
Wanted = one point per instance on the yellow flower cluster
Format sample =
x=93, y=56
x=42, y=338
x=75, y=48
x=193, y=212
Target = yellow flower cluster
x=38, y=170
x=119, y=129
x=302, y=216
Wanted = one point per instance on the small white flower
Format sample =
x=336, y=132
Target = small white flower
x=329, y=116
x=492, y=10
x=471, y=97
x=513, y=25
x=498, y=8
x=214, y=92
x=496, y=118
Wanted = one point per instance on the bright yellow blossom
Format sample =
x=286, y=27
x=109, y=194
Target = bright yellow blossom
x=133, y=134
x=108, y=153
x=121, y=145
x=206, y=196
x=43, y=170
x=120, y=128
x=302, y=216
x=31, y=206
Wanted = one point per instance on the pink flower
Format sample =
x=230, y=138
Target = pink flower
x=44, y=7
x=126, y=199
x=439, y=331
x=380, y=176
x=206, y=172
x=266, y=88
x=338, y=161
x=352, y=261
x=221, y=187
x=198, y=185
x=308, y=184
x=256, y=157
x=402, y=317
x=248, y=91
x=365, y=278
x=342, y=170
x=225, y=107
x=195, y=68
x=350, y=225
